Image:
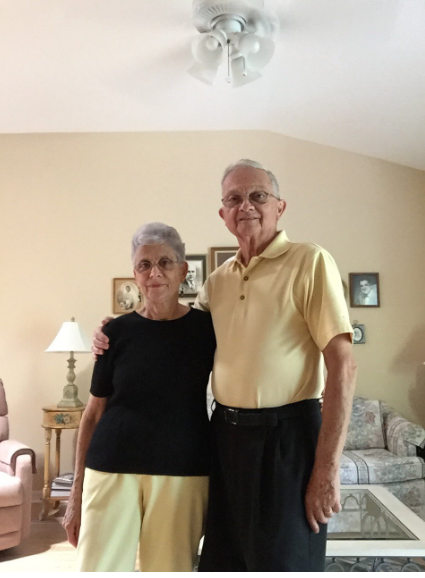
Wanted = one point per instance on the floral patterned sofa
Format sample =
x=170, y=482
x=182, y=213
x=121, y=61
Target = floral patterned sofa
x=384, y=448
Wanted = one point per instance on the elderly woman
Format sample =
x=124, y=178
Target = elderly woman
x=143, y=446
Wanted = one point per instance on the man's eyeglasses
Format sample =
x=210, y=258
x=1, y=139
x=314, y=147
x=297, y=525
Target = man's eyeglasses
x=256, y=198
x=164, y=264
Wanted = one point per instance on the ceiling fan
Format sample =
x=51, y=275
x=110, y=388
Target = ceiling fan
x=237, y=36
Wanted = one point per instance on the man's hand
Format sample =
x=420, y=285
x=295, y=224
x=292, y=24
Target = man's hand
x=72, y=519
x=100, y=341
x=322, y=499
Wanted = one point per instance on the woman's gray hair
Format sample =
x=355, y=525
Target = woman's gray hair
x=158, y=234
x=254, y=165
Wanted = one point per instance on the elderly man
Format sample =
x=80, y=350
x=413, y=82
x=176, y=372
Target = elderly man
x=279, y=313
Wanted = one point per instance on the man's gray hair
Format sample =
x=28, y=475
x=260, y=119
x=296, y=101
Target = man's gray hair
x=254, y=165
x=158, y=234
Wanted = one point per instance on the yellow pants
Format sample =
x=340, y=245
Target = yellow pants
x=162, y=515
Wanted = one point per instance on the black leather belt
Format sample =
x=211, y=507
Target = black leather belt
x=265, y=416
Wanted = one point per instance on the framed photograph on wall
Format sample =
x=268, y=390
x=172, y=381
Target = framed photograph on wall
x=196, y=275
x=359, y=336
x=218, y=255
x=126, y=296
x=364, y=290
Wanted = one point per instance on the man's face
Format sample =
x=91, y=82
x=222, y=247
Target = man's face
x=365, y=287
x=247, y=219
x=191, y=272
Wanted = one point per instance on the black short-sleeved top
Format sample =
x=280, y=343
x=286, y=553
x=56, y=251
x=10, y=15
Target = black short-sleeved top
x=155, y=374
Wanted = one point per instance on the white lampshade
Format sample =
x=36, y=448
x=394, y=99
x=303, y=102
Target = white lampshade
x=207, y=48
x=257, y=51
x=249, y=44
x=70, y=338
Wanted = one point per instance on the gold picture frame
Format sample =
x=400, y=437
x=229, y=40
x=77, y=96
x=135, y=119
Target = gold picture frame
x=126, y=296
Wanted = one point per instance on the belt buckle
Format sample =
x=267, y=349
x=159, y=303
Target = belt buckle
x=231, y=416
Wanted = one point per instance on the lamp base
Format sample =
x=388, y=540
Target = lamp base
x=70, y=397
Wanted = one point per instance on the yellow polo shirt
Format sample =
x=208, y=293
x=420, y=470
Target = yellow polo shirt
x=272, y=320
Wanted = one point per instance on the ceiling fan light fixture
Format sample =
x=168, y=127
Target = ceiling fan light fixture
x=258, y=60
x=240, y=75
x=228, y=23
x=204, y=52
x=237, y=31
x=219, y=35
x=248, y=44
x=211, y=43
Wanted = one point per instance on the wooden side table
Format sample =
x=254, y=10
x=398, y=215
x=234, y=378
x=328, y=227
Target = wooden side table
x=58, y=419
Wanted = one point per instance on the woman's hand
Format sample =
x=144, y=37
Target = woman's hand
x=72, y=519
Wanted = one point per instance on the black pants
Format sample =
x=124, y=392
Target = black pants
x=262, y=461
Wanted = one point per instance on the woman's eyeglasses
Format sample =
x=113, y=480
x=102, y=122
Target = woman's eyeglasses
x=164, y=264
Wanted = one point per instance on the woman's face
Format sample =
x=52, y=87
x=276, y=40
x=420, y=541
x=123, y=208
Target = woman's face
x=157, y=274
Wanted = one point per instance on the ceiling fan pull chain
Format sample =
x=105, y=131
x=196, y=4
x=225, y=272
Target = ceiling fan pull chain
x=228, y=61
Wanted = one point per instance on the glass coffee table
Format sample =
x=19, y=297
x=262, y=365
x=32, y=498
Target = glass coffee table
x=374, y=532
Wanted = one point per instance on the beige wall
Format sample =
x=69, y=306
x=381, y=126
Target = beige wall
x=70, y=203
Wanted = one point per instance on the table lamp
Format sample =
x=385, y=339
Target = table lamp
x=70, y=339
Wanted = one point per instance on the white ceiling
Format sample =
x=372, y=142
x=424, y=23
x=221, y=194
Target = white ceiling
x=346, y=73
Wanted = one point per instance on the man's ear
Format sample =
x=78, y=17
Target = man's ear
x=281, y=208
x=221, y=212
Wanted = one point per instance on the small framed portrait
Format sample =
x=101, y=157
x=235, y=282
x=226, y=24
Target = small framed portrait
x=126, y=296
x=359, y=336
x=196, y=275
x=364, y=290
x=218, y=255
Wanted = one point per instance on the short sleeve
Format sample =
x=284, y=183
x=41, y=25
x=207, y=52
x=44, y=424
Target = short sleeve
x=202, y=300
x=325, y=309
x=102, y=378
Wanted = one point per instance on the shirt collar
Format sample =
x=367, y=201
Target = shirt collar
x=280, y=245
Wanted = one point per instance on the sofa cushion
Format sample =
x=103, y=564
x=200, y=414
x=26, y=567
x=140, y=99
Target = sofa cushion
x=365, y=430
x=377, y=466
x=403, y=437
x=348, y=472
x=10, y=540
x=10, y=519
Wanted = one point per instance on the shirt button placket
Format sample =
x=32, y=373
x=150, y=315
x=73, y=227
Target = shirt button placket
x=242, y=297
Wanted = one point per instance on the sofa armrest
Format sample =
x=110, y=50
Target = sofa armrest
x=403, y=438
x=10, y=450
